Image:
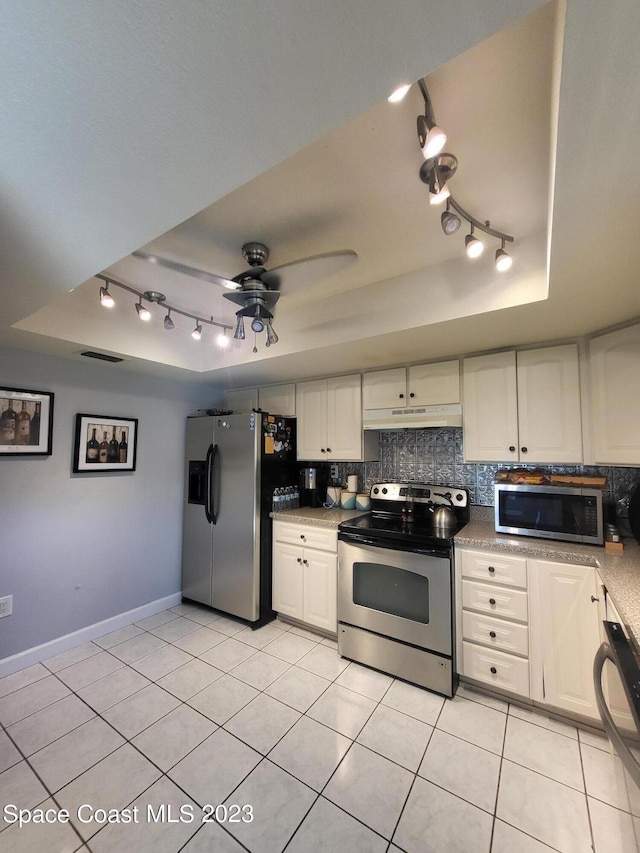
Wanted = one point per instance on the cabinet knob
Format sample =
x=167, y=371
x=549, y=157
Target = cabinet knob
x=492, y=634
x=512, y=448
x=523, y=450
x=593, y=598
x=328, y=450
x=299, y=559
x=322, y=450
x=401, y=396
x=492, y=601
x=305, y=562
x=493, y=670
x=491, y=569
x=302, y=536
x=412, y=394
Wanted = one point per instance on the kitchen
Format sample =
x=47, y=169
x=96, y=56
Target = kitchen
x=120, y=544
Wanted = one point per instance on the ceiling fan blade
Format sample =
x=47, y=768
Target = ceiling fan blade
x=309, y=270
x=203, y=275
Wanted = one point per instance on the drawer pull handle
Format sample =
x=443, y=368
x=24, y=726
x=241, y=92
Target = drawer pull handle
x=491, y=569
x=493, y=670
x=492, y=634
x=492, y=601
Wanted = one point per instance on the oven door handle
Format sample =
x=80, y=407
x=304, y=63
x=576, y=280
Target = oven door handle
x=391, y=545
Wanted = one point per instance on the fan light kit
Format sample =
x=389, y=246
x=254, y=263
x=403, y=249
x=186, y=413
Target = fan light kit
x=436, y=172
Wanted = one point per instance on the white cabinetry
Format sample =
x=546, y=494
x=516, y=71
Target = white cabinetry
x=418, y=385
x=329, y=413
x=615, y=405
x=242, y=400
x=523, y=406
x=278, y=399
x=305, y=563
x=493, y=633
x=565, y=635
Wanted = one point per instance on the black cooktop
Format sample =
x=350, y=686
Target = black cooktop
x=418, y=533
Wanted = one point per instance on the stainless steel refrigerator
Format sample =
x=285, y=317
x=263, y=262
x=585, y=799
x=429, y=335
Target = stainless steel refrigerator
x=233, y=464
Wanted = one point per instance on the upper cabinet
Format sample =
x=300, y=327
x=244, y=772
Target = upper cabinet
x=278, y=399
x=419, y=385
x=523, y=406
x=615, y=404
x=329, y=413
x=242, y=400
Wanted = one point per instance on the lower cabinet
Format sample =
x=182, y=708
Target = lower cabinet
x=305, y=577
x=530, y=627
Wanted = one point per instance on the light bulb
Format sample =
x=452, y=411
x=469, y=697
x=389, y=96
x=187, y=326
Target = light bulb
x=143, y=313
x=222, y=340
x=434, y=143
x=438, y=196
x=473, y=246
x=197, y=332
x=106, y=299
x=399, y=93
x=503, y=260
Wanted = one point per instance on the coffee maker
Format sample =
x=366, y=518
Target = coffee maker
x=313, y=486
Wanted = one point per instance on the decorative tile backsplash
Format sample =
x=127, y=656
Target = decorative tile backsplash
x=435, y=456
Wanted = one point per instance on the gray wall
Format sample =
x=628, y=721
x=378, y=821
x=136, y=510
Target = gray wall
x=79, y=548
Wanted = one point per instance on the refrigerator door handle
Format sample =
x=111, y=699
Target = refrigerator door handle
x=207, y=484
x=604, y=654
x=214, y=486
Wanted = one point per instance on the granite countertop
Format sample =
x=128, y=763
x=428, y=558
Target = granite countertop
x=319, y=516
x=620, y=571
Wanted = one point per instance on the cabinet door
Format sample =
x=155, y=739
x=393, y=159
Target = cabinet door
x=344, y=418
x=278, y=399
x=242, y=400
x=288, y=580
x=320, y=590
x=549, y=415
x=615, y=406
x=433, y=384
x=385, y=389
x=311, y=406
x=490, y=410
x=564, y=636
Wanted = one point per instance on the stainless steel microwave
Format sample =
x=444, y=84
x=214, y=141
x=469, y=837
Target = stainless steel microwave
x=568, y=513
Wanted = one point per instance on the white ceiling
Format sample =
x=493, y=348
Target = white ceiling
x=190, y=134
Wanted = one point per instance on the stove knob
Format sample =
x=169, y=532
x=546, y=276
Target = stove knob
x=384, y=491
x=459, y=496
x=376, y=490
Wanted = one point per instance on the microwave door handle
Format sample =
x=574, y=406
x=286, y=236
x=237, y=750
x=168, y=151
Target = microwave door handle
x=632, y=767
x=214, y=485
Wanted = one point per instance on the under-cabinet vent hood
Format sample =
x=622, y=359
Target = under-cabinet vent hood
x=417, y=417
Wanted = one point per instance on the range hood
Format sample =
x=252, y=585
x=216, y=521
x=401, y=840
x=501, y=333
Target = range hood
x=418, y=417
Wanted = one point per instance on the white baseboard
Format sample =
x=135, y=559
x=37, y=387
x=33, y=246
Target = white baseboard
x=62, y=644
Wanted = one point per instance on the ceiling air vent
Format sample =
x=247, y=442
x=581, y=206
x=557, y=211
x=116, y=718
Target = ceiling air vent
x=102, y=356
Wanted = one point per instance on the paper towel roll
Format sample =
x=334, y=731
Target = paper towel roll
x=352, y=483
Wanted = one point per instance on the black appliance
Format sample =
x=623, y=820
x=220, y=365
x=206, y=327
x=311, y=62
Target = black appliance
x=395, y=583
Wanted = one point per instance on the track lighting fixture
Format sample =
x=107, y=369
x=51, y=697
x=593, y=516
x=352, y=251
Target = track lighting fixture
x=473, y=247
x=436, y=171
x=143, y=313
x=239, y=332
x=160, y=299
x=503, y=259
x=106, y=299
x=449, y=221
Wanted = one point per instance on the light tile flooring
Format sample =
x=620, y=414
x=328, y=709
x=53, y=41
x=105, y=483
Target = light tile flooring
x=189, y=708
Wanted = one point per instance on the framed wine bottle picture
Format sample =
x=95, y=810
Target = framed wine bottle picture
x=26, y=422
x=104, y=443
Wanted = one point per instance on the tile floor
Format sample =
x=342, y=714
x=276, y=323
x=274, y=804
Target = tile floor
x=189, y=708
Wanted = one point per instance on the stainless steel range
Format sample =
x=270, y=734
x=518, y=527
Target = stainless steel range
x=395, y=582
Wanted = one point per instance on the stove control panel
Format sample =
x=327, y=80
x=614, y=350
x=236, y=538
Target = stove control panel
x=420, y=493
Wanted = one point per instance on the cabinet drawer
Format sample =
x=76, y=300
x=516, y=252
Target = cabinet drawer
x=495, y=633
x=496, y=668
x=495, y=600
x=511, y=571
x=307, y=536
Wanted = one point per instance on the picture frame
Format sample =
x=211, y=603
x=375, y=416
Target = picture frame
x=104, y=443
x=26, y=422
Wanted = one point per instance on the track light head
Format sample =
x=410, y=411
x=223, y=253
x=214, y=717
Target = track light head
x=503, y=259
x=438, y=194
x=143, y=313
x=449, y=221
x=238, y=335
x=473, y=247
x=431, y=138
x=168, y=322
x=197, y=332
x=106, y=299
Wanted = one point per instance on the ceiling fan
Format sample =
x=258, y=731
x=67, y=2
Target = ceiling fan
x=257, y=289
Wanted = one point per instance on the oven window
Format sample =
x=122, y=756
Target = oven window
x=391, y=590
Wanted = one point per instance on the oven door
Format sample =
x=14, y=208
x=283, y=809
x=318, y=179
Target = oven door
x=399, y=594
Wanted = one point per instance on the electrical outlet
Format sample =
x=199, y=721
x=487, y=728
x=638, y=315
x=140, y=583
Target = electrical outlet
x=6, y=606
x=333, y=471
